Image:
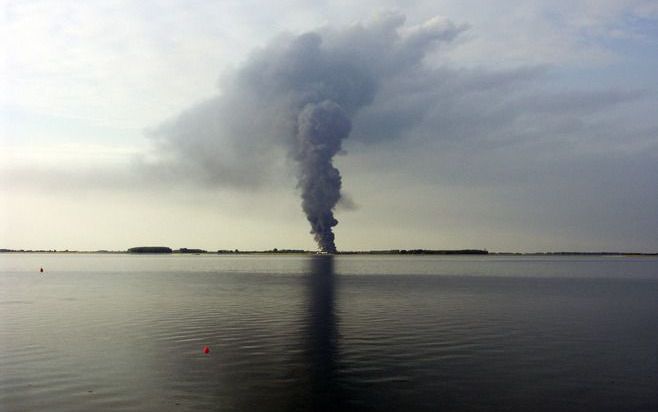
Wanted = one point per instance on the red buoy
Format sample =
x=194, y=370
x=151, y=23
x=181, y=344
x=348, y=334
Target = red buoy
x=206, y=349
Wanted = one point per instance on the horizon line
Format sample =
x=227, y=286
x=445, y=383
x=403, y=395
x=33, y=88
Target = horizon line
x=413, y=251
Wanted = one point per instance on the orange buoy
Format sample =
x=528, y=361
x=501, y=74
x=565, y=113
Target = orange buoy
x=206, y=349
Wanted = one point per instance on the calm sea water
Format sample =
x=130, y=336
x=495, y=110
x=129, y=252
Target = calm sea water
x=120, y=332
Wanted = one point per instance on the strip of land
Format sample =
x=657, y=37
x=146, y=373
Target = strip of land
x=195, y=251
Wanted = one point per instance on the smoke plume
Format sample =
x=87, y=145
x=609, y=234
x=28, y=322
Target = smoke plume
x=321, y=129
x=296, y=98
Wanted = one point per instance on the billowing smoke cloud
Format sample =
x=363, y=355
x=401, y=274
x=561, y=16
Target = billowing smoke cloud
x=296, y=99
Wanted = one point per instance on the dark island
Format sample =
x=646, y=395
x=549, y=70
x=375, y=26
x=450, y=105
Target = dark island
x=165, y=250
x=185, y=250
x=150, y=249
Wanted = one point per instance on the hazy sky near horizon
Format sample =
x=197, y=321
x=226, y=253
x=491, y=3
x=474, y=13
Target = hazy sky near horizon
x=510, y=125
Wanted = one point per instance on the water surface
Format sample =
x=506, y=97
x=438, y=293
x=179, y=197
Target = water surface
x=122, y=332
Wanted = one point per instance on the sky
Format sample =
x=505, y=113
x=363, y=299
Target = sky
x=513, y=125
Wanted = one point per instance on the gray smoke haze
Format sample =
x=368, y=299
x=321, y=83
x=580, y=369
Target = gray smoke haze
x=296, y=99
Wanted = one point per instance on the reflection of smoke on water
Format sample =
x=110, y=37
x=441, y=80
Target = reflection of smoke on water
x=321, y=336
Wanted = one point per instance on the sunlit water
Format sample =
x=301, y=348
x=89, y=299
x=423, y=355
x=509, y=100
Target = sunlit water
x=120, y=332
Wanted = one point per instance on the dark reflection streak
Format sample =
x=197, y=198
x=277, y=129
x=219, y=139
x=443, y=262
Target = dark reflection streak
x=321, y=336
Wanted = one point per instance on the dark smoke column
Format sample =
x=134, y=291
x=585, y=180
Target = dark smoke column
x=321, y=127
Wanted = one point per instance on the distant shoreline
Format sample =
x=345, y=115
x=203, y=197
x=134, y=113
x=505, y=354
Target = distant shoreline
x=441, y=252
